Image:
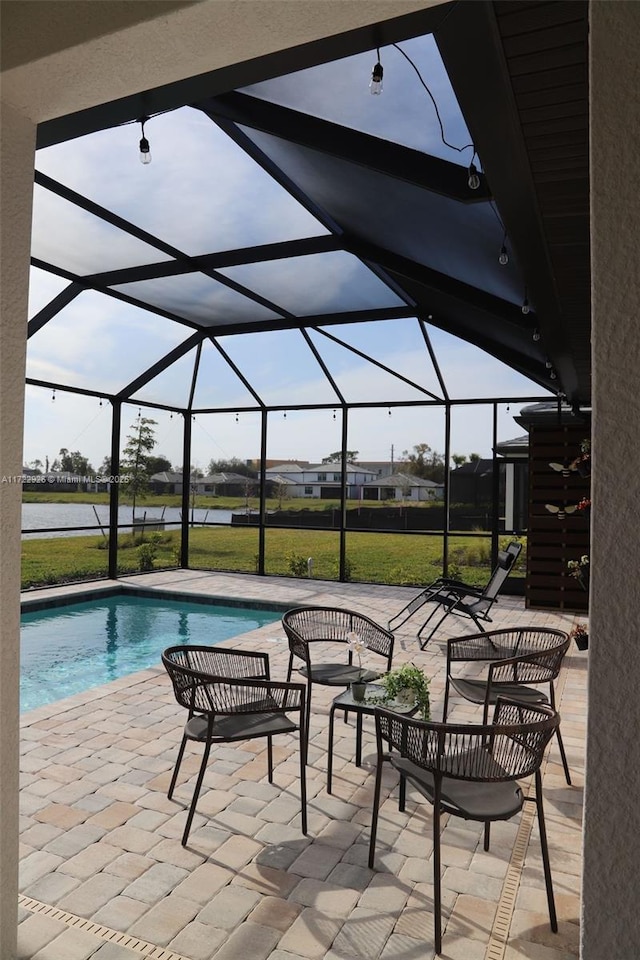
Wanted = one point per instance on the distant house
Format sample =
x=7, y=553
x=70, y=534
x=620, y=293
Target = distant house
x=379, y=468
x=320, y=480
x=472, y=483
x=215, y=485
x=403, y=486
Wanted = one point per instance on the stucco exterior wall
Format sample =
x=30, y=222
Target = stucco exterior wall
x=16, y=163
x=611, y=921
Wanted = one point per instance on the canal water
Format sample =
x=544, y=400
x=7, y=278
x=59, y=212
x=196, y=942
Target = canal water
x=46, y=516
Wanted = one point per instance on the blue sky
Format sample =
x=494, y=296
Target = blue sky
x=202, y=194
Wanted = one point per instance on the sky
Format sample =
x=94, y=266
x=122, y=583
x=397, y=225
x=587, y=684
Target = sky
x=202, y=193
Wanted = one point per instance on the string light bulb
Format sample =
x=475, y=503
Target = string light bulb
x=375, y=84
x=53, y=395
x=145, y=150
x=237, y=418
x=503, y=259
x=474, y=179
x=334, y=414
x=526, y=310
x=535, y=336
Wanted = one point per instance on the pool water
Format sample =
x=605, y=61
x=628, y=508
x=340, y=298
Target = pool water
x=69, y=649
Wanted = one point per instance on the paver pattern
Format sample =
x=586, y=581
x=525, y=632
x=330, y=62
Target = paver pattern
x=100, y=840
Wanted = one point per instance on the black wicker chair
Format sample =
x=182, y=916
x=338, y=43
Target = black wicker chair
x=230, y=697
x=468, y=771
x=454, y=596
x=519, y=657
x=306, y=625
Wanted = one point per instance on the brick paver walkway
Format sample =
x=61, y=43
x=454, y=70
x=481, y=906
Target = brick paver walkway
x=101, y=842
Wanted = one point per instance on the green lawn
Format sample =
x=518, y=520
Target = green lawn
x=371, y=557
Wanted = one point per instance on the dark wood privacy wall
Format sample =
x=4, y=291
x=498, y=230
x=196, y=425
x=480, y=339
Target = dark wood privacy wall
x=552, y=542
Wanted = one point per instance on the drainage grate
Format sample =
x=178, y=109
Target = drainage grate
x=143, y=947
x=497, y=946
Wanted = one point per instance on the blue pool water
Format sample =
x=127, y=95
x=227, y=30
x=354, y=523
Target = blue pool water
x=68, y=649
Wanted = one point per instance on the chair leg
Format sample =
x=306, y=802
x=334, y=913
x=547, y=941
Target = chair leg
x=308, y=716
x=402, y=793
x=177, y=767
x=487, y=835
x=196, y=792
x=545, y=854
x=270, y=759
x=446, y=700
x=290, y=667
x=332, y=713
x=374, y=816
x=303, y=782
x=437, y=892
x=563, y=756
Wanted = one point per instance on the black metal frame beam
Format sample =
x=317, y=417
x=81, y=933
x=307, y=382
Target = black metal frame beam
x=391, y=159
x=217, y=261
x=471, y=47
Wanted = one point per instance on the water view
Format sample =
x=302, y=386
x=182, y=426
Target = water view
x=44, y=516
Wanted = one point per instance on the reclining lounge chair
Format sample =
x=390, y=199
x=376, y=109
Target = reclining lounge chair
x=454, y=596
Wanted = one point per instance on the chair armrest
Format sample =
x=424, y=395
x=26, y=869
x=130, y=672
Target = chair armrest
x=478, y=646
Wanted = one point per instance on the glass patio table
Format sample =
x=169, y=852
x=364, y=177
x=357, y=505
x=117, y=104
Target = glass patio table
x=345, y=701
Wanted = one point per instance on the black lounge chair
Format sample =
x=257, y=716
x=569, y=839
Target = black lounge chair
x=468, y=771
x=519, y=659
x=454, y=596
x=306, y=625
x=230, y=697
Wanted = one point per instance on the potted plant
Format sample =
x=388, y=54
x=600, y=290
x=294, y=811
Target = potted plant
x=585, y=507
x=579, y=570
x=406, y=684
x=357, y=645
x=583, y=462
x=581, y=636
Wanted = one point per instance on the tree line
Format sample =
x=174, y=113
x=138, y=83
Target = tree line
x=139, y=462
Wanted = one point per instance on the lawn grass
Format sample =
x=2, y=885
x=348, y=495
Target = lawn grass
x=371, y=557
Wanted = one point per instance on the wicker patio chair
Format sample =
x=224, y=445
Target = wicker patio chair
x=519, y=658
x=309, y=625
x=468, y=771
x=457, y=597
x=230, y=698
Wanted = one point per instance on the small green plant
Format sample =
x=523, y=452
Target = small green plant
x=146, y=556
x=407, y=680
x=297, y=564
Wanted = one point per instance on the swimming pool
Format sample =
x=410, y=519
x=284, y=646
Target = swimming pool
x=69, y=649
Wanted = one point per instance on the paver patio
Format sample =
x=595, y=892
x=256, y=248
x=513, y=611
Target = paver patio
x=103, y=873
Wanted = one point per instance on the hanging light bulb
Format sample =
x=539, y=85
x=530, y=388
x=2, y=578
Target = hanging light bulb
x=474, y=179
x=389, y=411
x=553, y=375
x=548, y=364
x=535, y=335
x=284, y=415
x=100, y=401
x=334, y=414
x=53, y=395
x=526, y=309
x=145, y=150
x=375, y=84
x=503, y=259
x=237, y=418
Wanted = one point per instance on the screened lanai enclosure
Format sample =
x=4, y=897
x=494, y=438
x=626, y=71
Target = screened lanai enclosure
x=306, y=268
